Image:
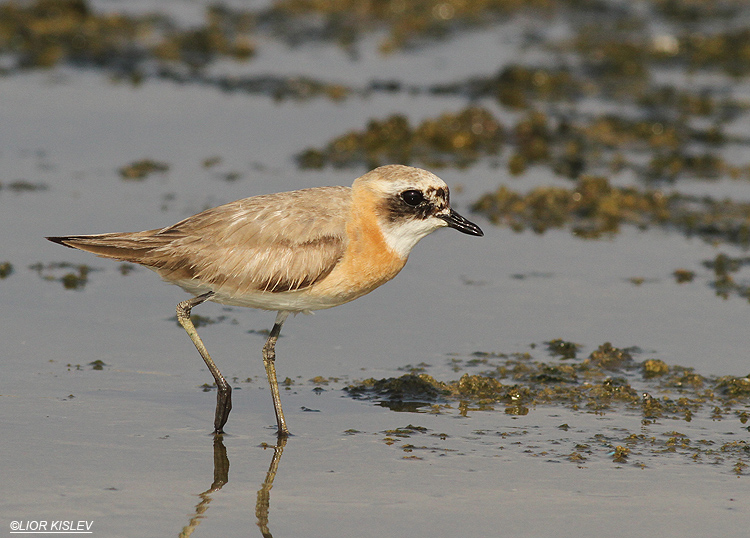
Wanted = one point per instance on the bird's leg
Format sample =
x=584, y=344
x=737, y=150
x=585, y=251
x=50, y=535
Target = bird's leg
x=224, y=394
x=269, y=356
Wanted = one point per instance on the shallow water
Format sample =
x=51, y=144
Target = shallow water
x=128, y=447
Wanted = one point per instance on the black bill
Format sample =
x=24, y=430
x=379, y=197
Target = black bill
x=456, y=221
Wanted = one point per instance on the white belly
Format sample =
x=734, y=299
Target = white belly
x=289, y=301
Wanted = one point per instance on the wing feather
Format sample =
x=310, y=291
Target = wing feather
x=274, y=243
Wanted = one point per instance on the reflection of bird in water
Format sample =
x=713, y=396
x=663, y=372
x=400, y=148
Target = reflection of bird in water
x=290, y=252
x=264, y=493
x=221, y=477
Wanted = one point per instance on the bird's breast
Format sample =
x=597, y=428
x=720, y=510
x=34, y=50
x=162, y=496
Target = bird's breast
x=368, y=261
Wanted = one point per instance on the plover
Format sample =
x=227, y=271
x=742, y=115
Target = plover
x=289, y=252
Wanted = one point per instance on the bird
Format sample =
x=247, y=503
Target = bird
x=289, y=252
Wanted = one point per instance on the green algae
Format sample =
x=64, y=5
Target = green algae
x=46, y=33
x=640, y=450
x=408, y=24
x=126, y=268
x=616, y=65
x=571, y=147
x=73, y=277
x=682, y=276
x=654, y=368
x=141, y=169
x=726, y=280
x=406, y=393
x=607, y=378
x=6, y=269
x=97, y=365
x=21, y=185
x=594, y=208
x=73, y=32
x=613, y=59
x=610, y=382
x=451, y=139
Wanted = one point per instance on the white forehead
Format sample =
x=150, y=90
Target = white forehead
x=394, y=178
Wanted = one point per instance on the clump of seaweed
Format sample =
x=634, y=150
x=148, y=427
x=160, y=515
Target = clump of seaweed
x=406, y=393
x=21, y=185
x=73, y=277
x=46, y=33
x=138, y=170
x=6, y=269
x=408, y=24
x=725, y=270
x=562, y=348
x=594, y=208
x=571, y=146
x=451, y=139
x=608, y=377
x=609, y=381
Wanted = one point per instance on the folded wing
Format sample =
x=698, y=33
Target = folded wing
x=273, y=243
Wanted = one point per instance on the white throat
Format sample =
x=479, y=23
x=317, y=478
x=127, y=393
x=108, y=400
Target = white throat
x=402, y=237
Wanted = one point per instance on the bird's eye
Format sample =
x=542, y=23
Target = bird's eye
x=412, y=197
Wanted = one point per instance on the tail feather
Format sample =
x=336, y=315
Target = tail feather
x=120, y=246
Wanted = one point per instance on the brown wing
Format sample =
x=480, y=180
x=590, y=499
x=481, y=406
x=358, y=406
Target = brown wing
x=275, y=242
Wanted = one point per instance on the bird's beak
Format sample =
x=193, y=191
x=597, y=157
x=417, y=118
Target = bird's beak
x=456, y=221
